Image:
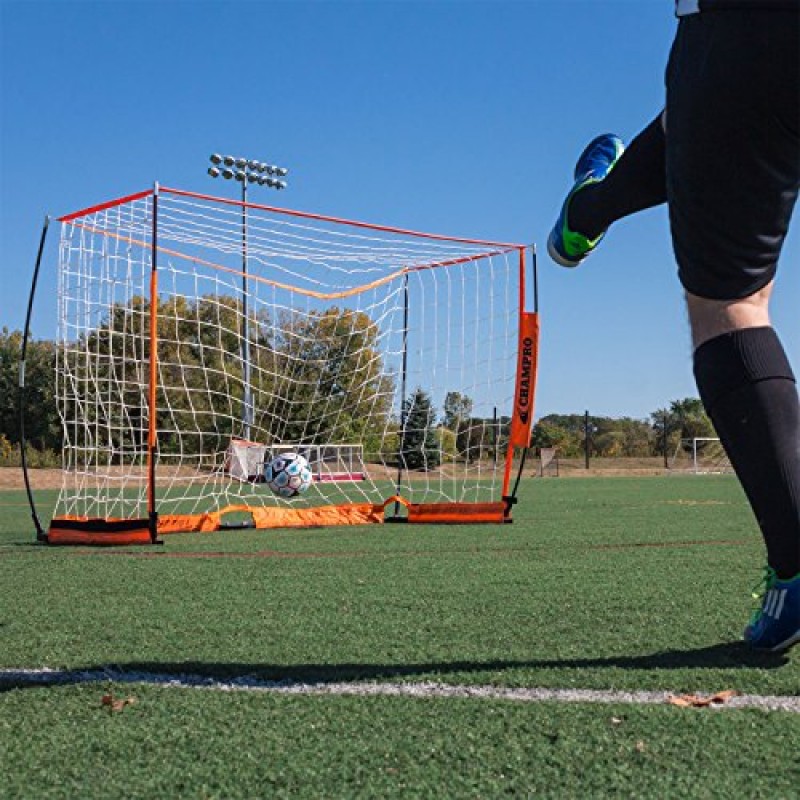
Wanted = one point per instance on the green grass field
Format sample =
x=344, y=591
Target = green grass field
x=616, y=584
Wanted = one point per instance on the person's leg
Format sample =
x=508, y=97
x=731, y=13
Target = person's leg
x=749, y=391
x=638, y=181
x=611, y=182
x=750, y=394
x=732, y=181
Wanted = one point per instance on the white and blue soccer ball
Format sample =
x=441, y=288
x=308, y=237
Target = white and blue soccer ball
x=288, y=475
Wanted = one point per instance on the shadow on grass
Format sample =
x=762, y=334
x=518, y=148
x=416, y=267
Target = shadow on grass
x=730, y=655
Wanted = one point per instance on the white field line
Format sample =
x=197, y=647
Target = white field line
x=50, y=677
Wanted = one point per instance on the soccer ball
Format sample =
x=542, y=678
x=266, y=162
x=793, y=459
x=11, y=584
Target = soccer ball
x=288, y=475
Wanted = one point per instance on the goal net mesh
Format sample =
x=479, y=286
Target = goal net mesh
x=701, y=455
x=389, y=358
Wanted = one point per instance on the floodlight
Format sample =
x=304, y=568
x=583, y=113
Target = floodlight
x=247, y=170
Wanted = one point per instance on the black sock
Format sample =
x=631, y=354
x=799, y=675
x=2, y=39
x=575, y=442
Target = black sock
x=637, y=181
x=749, y=391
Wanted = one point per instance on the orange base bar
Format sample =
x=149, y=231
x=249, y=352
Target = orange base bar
x=98, y=532
x=116, y=532
x=456, y=513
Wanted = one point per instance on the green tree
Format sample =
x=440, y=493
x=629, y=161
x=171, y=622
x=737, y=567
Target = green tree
x=562, y=431
x=457, y=408
x=419, y=446
x=478, y=438
x=10, y=343
x=42, y=425
x=621, y=436
x=447, y=443
x=314, y=378
x=610, y=436
x=329, y=380
x=199, y=391
x=610, y=444
x=684, y=419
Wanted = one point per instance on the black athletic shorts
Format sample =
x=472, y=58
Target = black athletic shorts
x=733, y=147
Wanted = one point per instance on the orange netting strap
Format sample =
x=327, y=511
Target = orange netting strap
x=271, y=517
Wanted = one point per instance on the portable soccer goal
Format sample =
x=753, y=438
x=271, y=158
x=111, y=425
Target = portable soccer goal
x=200, y=337
x=548, y=462
x=702, y=455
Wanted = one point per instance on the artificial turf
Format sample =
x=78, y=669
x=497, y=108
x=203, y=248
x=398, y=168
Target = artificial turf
x=635, y=584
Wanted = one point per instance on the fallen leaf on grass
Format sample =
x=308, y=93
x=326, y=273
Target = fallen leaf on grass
x=116, y=705
x=697, y=701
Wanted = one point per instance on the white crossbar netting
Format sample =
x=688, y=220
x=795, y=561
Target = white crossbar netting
x=387, y=358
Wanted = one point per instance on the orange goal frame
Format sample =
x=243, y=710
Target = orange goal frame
x=79, y=530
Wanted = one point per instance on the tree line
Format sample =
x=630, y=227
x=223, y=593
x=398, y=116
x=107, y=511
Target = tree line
x=662, y=432
x=315, y=379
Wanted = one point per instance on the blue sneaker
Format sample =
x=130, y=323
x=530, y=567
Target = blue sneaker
x=775, y=625
x=568, y=248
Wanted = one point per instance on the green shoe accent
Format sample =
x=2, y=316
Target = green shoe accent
x=575, y=244
x=759, y=591
x=566, y=247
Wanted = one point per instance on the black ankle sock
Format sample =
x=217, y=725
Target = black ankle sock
x=749, y=391
x=637, y=181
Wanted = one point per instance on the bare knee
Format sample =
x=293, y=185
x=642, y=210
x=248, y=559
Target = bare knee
x=711, y=318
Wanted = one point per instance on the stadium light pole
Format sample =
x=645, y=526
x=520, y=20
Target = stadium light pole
x=246, y=171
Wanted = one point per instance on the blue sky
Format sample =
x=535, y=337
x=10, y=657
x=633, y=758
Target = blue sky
x=454, y=117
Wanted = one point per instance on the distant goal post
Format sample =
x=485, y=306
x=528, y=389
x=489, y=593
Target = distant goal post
x=701, y=455
x=197, y=336
x=245, y=461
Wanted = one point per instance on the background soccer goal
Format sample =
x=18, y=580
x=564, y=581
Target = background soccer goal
x=701, y=455
x=200, y=337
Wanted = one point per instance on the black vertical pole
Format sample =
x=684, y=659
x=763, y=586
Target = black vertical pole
x=496, y=430
x=247, y=400
x=403, y=389
x=587, y=439
x=40, y=534
x=152, y=389
x=664, y=437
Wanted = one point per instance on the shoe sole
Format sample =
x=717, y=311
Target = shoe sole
x=784, y=645
x=558, y=258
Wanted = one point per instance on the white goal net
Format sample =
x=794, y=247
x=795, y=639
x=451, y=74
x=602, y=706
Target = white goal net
x=701, y=455
x=200, y=337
